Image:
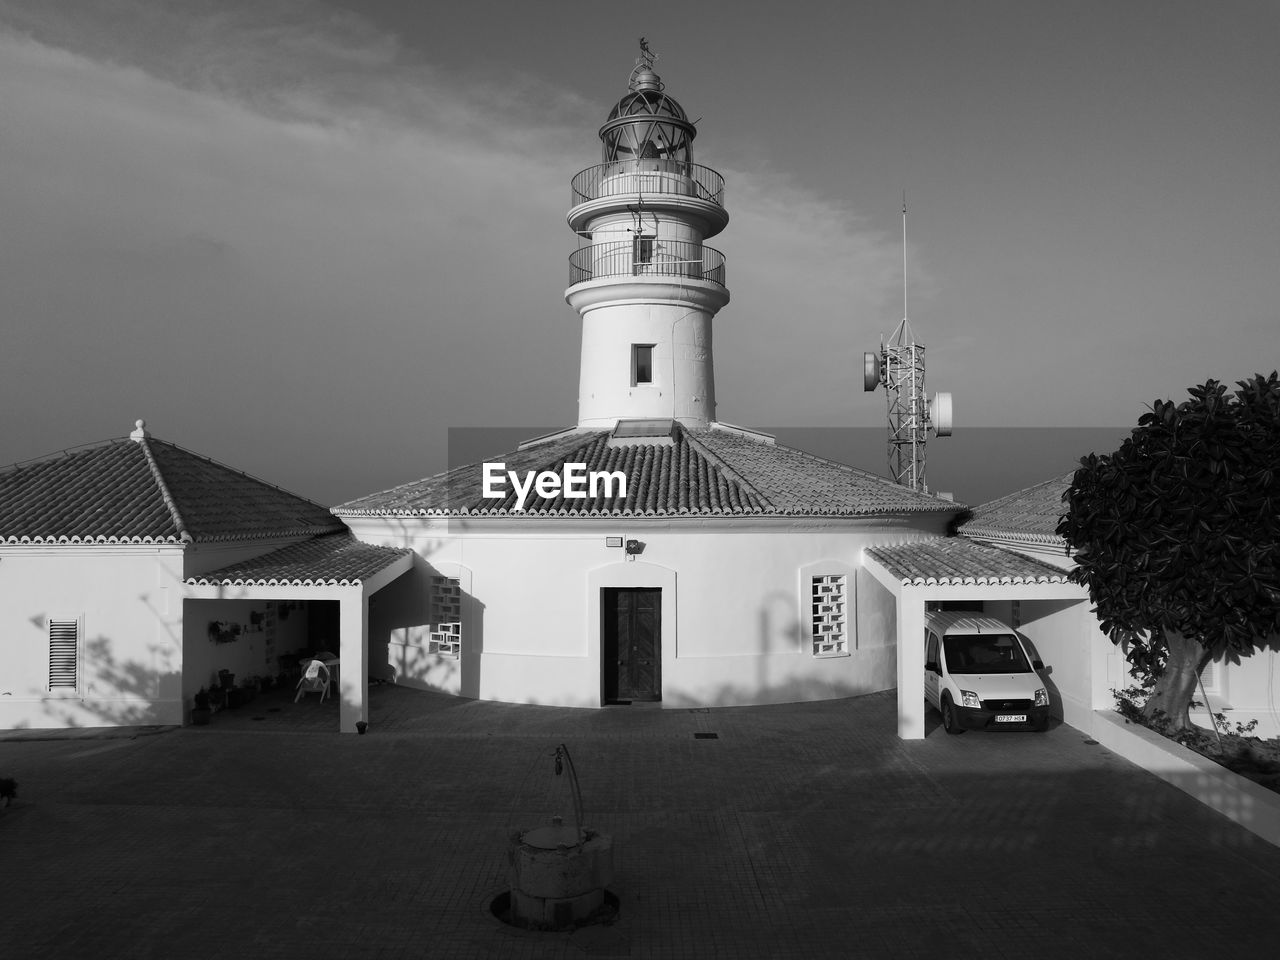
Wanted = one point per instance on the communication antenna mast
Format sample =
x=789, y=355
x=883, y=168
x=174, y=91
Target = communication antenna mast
x=899, y=368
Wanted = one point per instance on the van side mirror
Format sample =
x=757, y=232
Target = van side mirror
x=1038, y=664
x=933, y=667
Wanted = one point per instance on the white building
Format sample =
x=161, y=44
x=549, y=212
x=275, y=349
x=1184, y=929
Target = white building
x=100, y=547
x=729, y=572
x=649, y=552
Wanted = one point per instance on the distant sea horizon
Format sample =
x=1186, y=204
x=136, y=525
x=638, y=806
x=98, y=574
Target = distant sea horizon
x=974, y=466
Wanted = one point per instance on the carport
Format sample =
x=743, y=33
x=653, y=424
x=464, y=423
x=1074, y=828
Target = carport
x=335, y=567
x=958, y=569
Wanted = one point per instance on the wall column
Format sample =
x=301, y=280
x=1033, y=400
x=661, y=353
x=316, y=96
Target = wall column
x=911, y=664
x=353, y=630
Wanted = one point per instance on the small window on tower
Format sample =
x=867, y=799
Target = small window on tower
x=641, y=363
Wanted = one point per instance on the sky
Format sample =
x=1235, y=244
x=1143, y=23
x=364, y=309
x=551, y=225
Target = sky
x=308, y=237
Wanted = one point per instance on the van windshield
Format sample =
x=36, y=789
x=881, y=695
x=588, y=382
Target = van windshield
x=984, y=653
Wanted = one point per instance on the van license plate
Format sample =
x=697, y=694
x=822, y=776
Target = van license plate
x=1011, y=718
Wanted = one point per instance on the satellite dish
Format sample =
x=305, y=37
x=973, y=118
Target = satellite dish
x=870, y=372
x=940, y=413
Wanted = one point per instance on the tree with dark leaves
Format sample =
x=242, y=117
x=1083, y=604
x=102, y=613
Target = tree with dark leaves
x=1177, y=537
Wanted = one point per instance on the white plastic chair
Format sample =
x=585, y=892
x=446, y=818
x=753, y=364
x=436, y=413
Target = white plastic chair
x=315, y=679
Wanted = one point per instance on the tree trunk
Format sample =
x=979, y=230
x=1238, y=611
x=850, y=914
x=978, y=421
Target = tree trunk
x=1176, y=687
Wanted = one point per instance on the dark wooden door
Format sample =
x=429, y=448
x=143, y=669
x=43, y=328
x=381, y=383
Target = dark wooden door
x=632, y=644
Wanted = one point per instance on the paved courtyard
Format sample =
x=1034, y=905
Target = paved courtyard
x=799, y=831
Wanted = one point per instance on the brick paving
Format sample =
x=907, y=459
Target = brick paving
x=802, y=831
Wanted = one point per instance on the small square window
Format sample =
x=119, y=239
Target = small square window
x=641, y=363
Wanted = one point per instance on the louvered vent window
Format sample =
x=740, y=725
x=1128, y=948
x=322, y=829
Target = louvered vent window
x=64, y=654
x=446, y=617
x=1209, y=676
x=830, y=624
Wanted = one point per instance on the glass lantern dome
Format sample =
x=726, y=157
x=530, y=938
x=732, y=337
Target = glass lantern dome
x=647, y=124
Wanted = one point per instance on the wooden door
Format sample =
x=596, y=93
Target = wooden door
x=632, y=644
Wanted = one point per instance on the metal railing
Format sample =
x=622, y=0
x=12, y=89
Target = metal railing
x=647, y=257
x=647, y=176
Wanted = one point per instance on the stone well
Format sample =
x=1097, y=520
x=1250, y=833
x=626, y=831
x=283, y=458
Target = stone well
x=558, y=875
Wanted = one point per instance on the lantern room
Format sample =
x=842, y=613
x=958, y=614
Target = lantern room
x=647, y=124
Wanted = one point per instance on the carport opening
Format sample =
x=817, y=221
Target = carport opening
x=248, y=655
x=1016, y=615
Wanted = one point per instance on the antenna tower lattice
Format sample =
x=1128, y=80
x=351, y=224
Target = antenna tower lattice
x=899, y=368
x=903, y=360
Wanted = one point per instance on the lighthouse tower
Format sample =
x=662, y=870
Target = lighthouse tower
x=643, y=280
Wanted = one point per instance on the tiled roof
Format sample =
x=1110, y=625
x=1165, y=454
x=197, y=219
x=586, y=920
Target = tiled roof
x=146, y=491
x=1031, y=514
x=337, y=559
x=706, y=473
x=795, y=482
x=947, y=561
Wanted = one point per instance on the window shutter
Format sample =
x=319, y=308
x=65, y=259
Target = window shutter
x=64, y=654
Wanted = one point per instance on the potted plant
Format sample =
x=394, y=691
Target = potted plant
x=200, y=713
x=217, y=698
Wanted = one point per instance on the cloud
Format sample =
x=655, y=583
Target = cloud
x=287, y=243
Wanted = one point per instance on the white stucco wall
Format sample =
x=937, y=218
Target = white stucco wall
x=1246, y=691
x=128, y=601
x=1066, y=636
x=735, y=615
x=255, y=652
x=675, y=315
x=143, y=649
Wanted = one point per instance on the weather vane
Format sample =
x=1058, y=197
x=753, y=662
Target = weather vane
x=647, y=56
x=644, y=68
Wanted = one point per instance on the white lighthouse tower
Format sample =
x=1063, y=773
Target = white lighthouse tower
x=643, y=280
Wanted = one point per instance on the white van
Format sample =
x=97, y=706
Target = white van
x=978, y=675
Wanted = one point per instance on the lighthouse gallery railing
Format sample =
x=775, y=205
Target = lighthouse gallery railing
x=621, y=177
x=647, y=257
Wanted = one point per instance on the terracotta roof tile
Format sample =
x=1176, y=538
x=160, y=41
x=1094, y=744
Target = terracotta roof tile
x=1031, y=514
x=337, y=559
x=795, y=482
x=705, y=473
x=146, y=491
x=216, y=502
x=956, y=561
